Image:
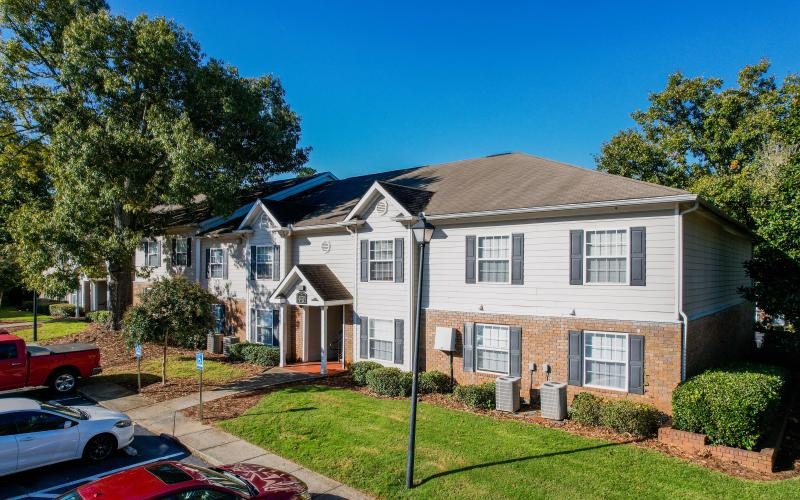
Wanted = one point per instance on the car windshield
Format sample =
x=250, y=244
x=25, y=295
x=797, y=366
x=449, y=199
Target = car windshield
x=224, y=479
x=67, y=411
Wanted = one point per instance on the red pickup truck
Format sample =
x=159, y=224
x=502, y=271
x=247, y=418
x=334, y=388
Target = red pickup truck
x=57, y=366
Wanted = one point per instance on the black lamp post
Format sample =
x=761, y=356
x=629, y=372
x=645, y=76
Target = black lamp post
x=423, y=233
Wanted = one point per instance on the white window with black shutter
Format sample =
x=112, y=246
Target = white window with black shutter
x=606, y=360
x=265, y=326
x=382, y=260
x=216, y=263
x=152, y=253
x=492, y=349
x=608, y=257
x=181, y=252
x=263, y=257
x=381, y=339
x=495, y=259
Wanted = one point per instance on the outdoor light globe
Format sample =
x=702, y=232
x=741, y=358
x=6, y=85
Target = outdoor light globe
x=423, y=230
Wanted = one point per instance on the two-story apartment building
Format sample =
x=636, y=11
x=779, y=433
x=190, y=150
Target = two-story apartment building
x=544, y=271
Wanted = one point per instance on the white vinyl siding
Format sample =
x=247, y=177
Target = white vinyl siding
x=607, y=256
x=265, y=333
x=263, y=262
x=605, y=358
x=381, y=339
x=381, y=260
x=216, y=263
x=151, y=253
x=494, y=259
x=181, y=252
x=491, y=344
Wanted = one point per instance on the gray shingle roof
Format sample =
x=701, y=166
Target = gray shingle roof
x=324, y=281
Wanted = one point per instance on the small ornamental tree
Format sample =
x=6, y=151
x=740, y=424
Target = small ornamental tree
x=175, y=311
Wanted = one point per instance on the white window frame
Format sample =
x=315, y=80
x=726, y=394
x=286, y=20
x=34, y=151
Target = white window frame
x=479, y=259
x=626, y=257
x=212, y=265
x=478, y=330
x=258, y=325
x=370, y=339
x=390, y=260
x=267, y=263
x=585, y=359
x=185, y=253
x=151, y=250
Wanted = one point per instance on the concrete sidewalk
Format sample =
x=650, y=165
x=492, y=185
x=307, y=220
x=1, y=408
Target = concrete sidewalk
x=207, y=442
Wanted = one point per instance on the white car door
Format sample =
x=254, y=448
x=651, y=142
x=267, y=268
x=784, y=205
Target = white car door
x=44, y=438
x=8, y=445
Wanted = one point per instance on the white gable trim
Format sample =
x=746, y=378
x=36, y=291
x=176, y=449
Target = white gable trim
x=313, y=182
x=258, y=209
x=295, y=273
x=366, y=199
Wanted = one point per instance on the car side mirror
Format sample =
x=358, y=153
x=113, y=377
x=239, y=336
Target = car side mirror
x=68, y=424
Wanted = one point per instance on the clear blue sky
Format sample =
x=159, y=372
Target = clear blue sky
x=383, y=85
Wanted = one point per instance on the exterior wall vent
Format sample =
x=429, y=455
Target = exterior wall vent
x=382, y=207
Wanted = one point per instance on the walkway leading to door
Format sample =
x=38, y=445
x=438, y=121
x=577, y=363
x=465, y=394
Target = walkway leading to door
x=313, y=368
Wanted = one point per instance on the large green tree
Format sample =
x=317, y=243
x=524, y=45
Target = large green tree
x=738, y=147
x=131, y=116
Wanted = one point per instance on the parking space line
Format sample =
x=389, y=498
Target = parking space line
x=43, y=493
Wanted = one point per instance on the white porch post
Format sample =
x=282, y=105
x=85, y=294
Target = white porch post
x=95, y=302
x=282, y=332
x=344, y=337
x=323, y=365
x=306, y=351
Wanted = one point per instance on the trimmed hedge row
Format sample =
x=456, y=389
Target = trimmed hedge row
x=732, y=405
x=360, y=369
x=62, y=311
x=433, y=382
x=476, y=396
x=257, y=354
x=102, y=317
x=389, y=382
x=395, y=382
x=621, y=415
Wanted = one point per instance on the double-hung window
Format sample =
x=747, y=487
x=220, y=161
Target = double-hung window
x=381, y=339
x=216, y=263
x=151, y=253
x=605, y=358
x=494, y=259
x=218, y=310
x=381, y=260
x=265, y=333
x=263, y=262
x=491, y=344
x=181, y=252
x=607, y=256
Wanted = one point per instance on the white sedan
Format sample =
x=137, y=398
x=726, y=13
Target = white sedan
x=33, y=433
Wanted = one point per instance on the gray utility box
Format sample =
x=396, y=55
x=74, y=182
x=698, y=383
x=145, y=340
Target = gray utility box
x=214, y=343
x=553, y=396
x=226, y=344
x=507, y=394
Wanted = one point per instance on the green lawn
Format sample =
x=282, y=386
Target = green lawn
x=361, y=441
x=53, y=330
x=10, y=314
x=184, y=367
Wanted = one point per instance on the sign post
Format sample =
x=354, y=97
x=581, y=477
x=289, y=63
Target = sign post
x=199, y=363
x=138, y=351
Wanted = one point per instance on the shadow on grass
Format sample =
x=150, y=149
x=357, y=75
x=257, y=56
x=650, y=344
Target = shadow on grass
x=128, y=380
x=519, y=459
x=289, y=410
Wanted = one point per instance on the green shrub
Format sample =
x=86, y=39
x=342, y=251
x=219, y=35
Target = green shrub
x=61, y=311
x=42, y=305
x=731, y=405
x=102, y=317
x=627, y=416
x=433, y=382
x=586, y=409
x=389, y=382
x=257, y=354
x=360, y=369
x=476, y=396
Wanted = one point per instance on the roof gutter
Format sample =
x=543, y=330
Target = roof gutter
x=681, y=312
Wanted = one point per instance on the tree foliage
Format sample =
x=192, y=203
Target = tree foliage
x=174, y=311
x=737, y=147
x=128, y=115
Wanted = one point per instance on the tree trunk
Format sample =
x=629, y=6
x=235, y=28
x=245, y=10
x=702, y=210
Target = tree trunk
x=120, y=271
x=1, y=298
x=164, y=362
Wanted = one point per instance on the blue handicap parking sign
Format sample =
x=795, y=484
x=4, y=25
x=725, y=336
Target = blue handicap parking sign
x=138, y=350
x=199, y=360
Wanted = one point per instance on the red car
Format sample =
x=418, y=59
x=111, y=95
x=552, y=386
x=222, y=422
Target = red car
x=171, y=480
x=58, y=366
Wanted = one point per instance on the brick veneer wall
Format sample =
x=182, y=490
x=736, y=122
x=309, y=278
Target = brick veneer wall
x=138, y=288
x=545, y=340
x=348, y=334
x=294, y=334
x=236, y=317
x=723, y=336
x=759, y=461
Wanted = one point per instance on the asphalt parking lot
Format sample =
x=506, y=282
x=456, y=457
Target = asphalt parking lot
x=53, y=480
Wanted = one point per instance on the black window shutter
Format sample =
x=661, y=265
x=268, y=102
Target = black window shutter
x=276, y=321
x=576, y=257
x=174, y=253
x=399, y=247
x=188, y=252
x=575, y=356
x=636, y=364
x=208, y=263
x=517, y=259
x=225, y=264
x=276, y=262
x=253, y=260
x=470, y=259
x=364, y=260
x=399, y=335
x=253, y=323
x=363, y=338
x=638, y=256
x=469, y=347
x=515, y=351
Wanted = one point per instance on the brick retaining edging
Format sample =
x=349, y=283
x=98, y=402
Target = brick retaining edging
x=690, y=442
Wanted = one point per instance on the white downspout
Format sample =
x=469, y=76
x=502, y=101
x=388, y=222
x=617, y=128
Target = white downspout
x=684, y=319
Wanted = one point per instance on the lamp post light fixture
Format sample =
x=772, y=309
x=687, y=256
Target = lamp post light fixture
x=423, y=233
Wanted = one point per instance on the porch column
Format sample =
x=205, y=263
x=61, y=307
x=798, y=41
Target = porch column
x=95, y=302
x=306, y=352
x=344, y=337
x=282, y=332
x=323, y=340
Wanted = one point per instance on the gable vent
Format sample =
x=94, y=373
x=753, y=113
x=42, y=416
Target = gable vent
x=382, y=207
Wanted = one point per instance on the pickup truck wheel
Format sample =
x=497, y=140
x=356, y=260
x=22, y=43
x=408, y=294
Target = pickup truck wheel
x=64, y=381
x=100, y=447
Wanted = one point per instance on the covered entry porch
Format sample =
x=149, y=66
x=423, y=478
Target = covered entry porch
x=321, y=329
